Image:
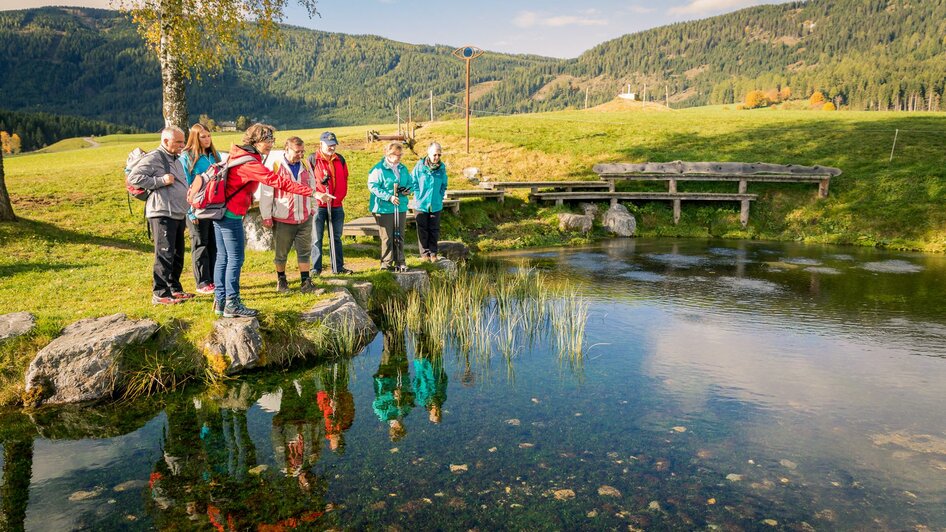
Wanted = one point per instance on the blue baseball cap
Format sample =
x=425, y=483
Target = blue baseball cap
x=329, y=138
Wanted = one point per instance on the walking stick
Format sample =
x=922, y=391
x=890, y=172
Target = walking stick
x=331, y=238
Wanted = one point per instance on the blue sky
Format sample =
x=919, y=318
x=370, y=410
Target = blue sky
x=552, y=27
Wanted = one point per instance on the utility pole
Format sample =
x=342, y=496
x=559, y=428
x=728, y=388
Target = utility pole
x=586, y=97
x=398, y=111
x=467, y=54
x=431, y=106
x=668, y=96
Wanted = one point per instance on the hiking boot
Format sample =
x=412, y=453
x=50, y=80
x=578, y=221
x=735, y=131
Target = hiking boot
x=345, y=271
x=402, y=268
x=307, y=286
x=218, y=308
x=206, y=288
x=236, y=309
x=282, y=285
x=183, y=296
x=155, y=300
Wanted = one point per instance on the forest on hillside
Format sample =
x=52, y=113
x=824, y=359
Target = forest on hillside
x=860, y=54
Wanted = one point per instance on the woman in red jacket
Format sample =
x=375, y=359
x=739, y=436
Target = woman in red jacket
x=242, y=182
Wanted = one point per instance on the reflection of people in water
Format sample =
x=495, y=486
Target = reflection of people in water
x=394, y=397
x=337, y=405
x=296, y=430
x=430, y=379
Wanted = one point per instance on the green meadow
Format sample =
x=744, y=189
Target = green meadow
x=78, y=252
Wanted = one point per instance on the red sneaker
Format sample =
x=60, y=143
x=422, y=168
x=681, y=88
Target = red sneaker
x=155, y=300
x=182, y=296
x=205, y=288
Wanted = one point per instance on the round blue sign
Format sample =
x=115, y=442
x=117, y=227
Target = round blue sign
x=468, y=52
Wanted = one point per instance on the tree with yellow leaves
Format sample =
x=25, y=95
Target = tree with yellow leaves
x=756, y=99
x=192, y=37
x=816, y=99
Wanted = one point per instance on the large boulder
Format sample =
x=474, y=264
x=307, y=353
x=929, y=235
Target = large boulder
x=16, y=324
x=413, y=280
x=341, y=310
x=237, y=340
x=455, y=251
x=84, y=363
x=362, y=291
x=258, y=238
x=448, y=266
x=619, y=221
x=589, y=209
x=575, y=222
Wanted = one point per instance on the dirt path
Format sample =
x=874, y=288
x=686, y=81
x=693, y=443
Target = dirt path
x=91, y=141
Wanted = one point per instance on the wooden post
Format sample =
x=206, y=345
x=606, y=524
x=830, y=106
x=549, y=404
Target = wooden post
x=614, y=201
x=431, y=106
x=672, y=186
x=398, y=111
x=823, y=188
x=586, y=97
x=743, y=186
x=610, y=185
x=676, y=211
x=744, y=212
x=468, y=106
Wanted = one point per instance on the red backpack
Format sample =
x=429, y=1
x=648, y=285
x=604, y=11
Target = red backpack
x=207, y=194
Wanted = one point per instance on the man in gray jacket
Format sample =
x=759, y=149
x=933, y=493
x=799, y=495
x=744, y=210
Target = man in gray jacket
x=166, y=209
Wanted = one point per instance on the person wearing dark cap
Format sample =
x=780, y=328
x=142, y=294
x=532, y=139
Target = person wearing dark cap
x=331, y=177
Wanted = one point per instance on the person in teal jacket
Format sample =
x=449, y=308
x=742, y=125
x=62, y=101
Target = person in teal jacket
x=199, y=153
x=430, y=379
x=393, y=393
x=389, y=183
x=430, y=185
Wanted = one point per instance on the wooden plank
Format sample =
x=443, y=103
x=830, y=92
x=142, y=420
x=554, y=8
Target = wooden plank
x=771, y=178
x=500, y=185
x=668, y=196
x=366, y=226
x=714, y=168
x=456, y=194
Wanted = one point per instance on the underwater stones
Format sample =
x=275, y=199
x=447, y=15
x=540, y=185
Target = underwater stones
x=788, y=464
x=563, y=495
x=130, y=485
x=608, y=491
x=413, y=280
x=575, y=222
x=461, y=468
x=341, y=310
x=732, y=477
x=448, y=266
x=619, y=221
x=236, y=339
x=84, y=362
x=16, y=324
x=455, y=251
x=258, y=238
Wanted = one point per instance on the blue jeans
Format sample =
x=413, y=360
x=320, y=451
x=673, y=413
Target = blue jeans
x=230, y=253
x=338, y=225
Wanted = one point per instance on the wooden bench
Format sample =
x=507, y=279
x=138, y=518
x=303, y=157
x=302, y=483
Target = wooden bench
x=742, y=173
x=366, y=226
x=458, y=194
x=534, y=186
x=675, y=197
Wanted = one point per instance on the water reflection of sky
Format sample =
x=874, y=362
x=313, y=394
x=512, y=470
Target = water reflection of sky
x=784, y=381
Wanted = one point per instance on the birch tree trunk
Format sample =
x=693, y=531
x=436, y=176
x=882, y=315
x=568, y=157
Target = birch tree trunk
x=174, y=106
x=6, y=208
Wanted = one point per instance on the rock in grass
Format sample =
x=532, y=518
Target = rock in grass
x=619, y=221
x=414, y=280
x=455, y=251
x=575, y=222
x=16, y=324
x=448, y=266
x=258, y=238
x=341, y=310
x=588, y=209
x=236, y=339
x=84, y=362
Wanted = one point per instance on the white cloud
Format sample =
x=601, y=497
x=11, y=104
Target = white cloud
x=701, y=7
x=529, y=19
x=641, y=10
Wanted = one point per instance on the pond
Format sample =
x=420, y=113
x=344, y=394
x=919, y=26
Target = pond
x=721, y=385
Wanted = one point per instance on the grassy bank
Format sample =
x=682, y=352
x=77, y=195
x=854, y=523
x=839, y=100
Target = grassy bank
x=77, y=251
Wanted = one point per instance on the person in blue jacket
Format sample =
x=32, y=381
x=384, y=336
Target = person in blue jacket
x=389, y=183
x=393, y=393
x=199, y=153
x=430, y=185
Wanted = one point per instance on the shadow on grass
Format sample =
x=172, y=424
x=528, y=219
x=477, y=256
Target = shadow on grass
x=8, y=270
x=27, y=229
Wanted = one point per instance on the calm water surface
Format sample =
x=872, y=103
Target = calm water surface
x=724, y=385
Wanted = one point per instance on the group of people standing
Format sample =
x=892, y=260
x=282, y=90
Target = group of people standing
x=298, y=196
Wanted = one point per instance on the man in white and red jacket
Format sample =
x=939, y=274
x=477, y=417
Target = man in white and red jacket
x=331, y=176
x=289, y=215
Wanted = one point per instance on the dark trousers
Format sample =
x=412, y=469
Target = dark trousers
x=321, y=224
x=203, y=250
x=428, y=232
x=392, y=238
x=168, y=255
